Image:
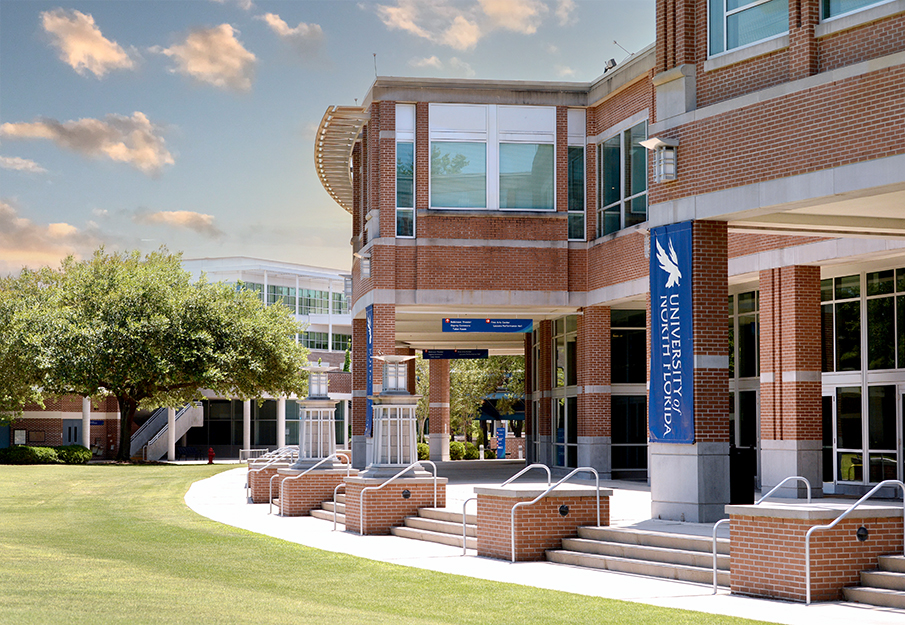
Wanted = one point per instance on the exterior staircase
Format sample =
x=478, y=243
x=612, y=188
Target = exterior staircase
x=440, y=525
x=326, y=510
x=669, y=555
x=152, y=435
x=884, y=586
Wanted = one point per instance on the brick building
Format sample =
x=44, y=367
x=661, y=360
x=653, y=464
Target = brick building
x=772, y=134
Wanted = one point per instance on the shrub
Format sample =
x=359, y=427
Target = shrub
x=23, y=454
x=456, y=450
x=424, y=451
x=489, y=454
x=471, y=452
x=74, y=454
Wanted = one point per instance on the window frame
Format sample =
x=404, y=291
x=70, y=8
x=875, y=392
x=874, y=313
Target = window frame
x=724, y=17
x=622, y=133
x=405, y=134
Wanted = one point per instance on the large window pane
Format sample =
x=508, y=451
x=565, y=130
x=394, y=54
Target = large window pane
x=526, y=176
x=826, y=337
x=747, y=346
x=880, y=283
x=635, y=211
x=827, y=438
x=458, y=175
x=629, y=356
x=405, y=223
x=881, y=417
x=848, y=336
x=611, y=221
x=572, y=420
x=848, y=418
x=848, y=287
x=881, y=345
x=900, y=330
x=636, y=160
x=610, y=188
x=832, y=8
x=576, y=178
x=625, y=318
x=576, y=226
x=716, y=24
x=405, y=175
x=756, y=23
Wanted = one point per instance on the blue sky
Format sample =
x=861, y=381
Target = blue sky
x=190, y=123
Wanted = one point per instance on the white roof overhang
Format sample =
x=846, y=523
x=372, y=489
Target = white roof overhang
x=336, y=136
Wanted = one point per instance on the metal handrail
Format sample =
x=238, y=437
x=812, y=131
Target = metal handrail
x=338, y=486
x=528, y=468
x=464, y=534
x=279, y=454
x=305, y=472
x=756, y=503
x=807, y=536
x=543, y=494
x=179, y=414
x=248, y=452
x=361, y=496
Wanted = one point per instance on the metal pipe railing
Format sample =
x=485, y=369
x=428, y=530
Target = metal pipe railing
x=544, y=494
x=464, y=523
x=361, y=496
x=807, y=536
x=528, y=468
x=337, y=456
x=278, y=455
x=756, y=503
x=335, y=490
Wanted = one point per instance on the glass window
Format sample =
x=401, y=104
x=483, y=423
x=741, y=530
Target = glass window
x=622, y=162
x=576, y=193
x=314, y=302
x=340, y=304
x=629, y=441
x=342, y=342
x=252, y=286
x=744, y=336
x=281, y=295
x=315, y=340
x=458, y=174
x=833, y=8
x=405, y=189
x=848, y=336
x=737, y=23
x=526, y=176
x=881, y=346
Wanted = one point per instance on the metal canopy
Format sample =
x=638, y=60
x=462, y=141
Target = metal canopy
x=336, y=136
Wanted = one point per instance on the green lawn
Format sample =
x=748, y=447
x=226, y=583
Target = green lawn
x=116, y=544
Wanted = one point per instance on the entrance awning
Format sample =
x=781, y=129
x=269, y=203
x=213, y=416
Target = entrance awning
x=336, y=136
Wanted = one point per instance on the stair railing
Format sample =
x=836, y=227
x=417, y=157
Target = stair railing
x=756, y=503
x=146, y=431
x=851, y=508
x=544, y=494
x=335, y=491
x=335, y=456
x=166, y=426
x=277, y=455
x=464, y=522
x=361, y=497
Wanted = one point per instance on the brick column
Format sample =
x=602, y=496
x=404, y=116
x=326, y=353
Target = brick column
x=358, y=413
x=803, y=53
x=439, y=410
x=594, y=394
x=790, y=379
x=545, y=381
x=691, y=482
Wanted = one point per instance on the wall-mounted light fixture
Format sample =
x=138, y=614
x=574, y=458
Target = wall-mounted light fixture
x=665, y=157
x=609, y=65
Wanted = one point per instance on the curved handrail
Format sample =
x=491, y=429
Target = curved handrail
x=464, y=535
x=280, y=454
x=807, y=536
x=361, y=496
x=544, y=494
x=758, y=502
x=528, y=468
x=338, y=486
x=337, y=455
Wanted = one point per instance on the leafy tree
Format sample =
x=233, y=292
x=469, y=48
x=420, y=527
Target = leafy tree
x=140, y=330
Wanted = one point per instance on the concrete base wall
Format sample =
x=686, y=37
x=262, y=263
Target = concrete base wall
x=594, y=451
x=780, y=459
x=689, y=482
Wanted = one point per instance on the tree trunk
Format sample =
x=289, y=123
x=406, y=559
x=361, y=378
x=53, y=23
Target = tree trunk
x=127, y=409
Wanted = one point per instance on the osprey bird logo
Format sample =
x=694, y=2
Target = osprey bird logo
x=669, y=264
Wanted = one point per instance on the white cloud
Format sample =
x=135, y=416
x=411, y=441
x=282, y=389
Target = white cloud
x=25, y=243
x=133, y=140
x=562, y=70
x=189, y=220
x=213, y=56
x=20, y=164
x=307, y=39
x=248, y=5
x=461, y=68
x=521, y=16
x=462, y=34
x=430, y=61
x=81, y=44
x=403, y=16
x=564, y=9
x=551, y=49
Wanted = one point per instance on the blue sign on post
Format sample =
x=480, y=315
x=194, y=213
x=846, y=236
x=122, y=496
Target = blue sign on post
x=487, y=325
x=671, y=408
x=454, y=354
x=501, y=442
x=369, y=384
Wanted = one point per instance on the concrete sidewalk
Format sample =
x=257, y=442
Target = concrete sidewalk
x=222, y=498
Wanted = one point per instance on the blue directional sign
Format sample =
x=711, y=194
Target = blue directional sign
x=454, y=354
x=487, y=325
x=369, y=372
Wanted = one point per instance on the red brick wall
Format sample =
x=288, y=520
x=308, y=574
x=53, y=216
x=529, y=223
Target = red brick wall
x=359, y=375
x=743, y=243
x=538, y=527
x=594, y=409
x=768, y=555
x=339, y=381
x=439, y=394
x=259, y=481
x=386, y=508
x=790, y=342
x=299, y=496
x=493, y=268
x=866, y=42
x=618, y=260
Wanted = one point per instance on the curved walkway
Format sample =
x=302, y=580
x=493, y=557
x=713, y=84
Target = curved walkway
x=222, y=498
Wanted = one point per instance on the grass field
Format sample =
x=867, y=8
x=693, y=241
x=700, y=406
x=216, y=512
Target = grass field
x=116, y=544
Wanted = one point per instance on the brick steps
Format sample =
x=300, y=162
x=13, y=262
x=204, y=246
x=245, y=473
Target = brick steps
x=326, y=510
x=439, y=525
x=884, y=586
x=642, y=552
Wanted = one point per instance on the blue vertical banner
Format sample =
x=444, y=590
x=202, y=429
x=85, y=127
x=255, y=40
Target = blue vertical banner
x=501, y=442
x=671, y=407
x=369, y=384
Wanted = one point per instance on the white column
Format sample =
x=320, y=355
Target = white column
x=86, y=422
x=246, y=424
x=171, y=434
x=281, y=422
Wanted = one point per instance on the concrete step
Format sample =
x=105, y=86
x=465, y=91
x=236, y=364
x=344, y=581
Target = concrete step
x=448, y=514
x=664, y=570
x=889, y=580
x=435, y=537
x=875, y=596
x=892, y=563
x=666, y=540
x=441, y=527
x=328, y=506
x=328, y=516
x=645, y=552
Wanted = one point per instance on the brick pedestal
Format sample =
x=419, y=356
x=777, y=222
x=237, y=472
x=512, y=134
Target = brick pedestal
x=538, y=527
x=300, y=495
x=388, y=507
x=259, y=481
x=768, y=548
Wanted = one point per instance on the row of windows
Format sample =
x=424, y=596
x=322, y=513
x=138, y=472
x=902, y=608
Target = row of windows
x=302, y=301
x=738, y=23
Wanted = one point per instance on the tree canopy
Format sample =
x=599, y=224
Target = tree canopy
x=139, y=329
